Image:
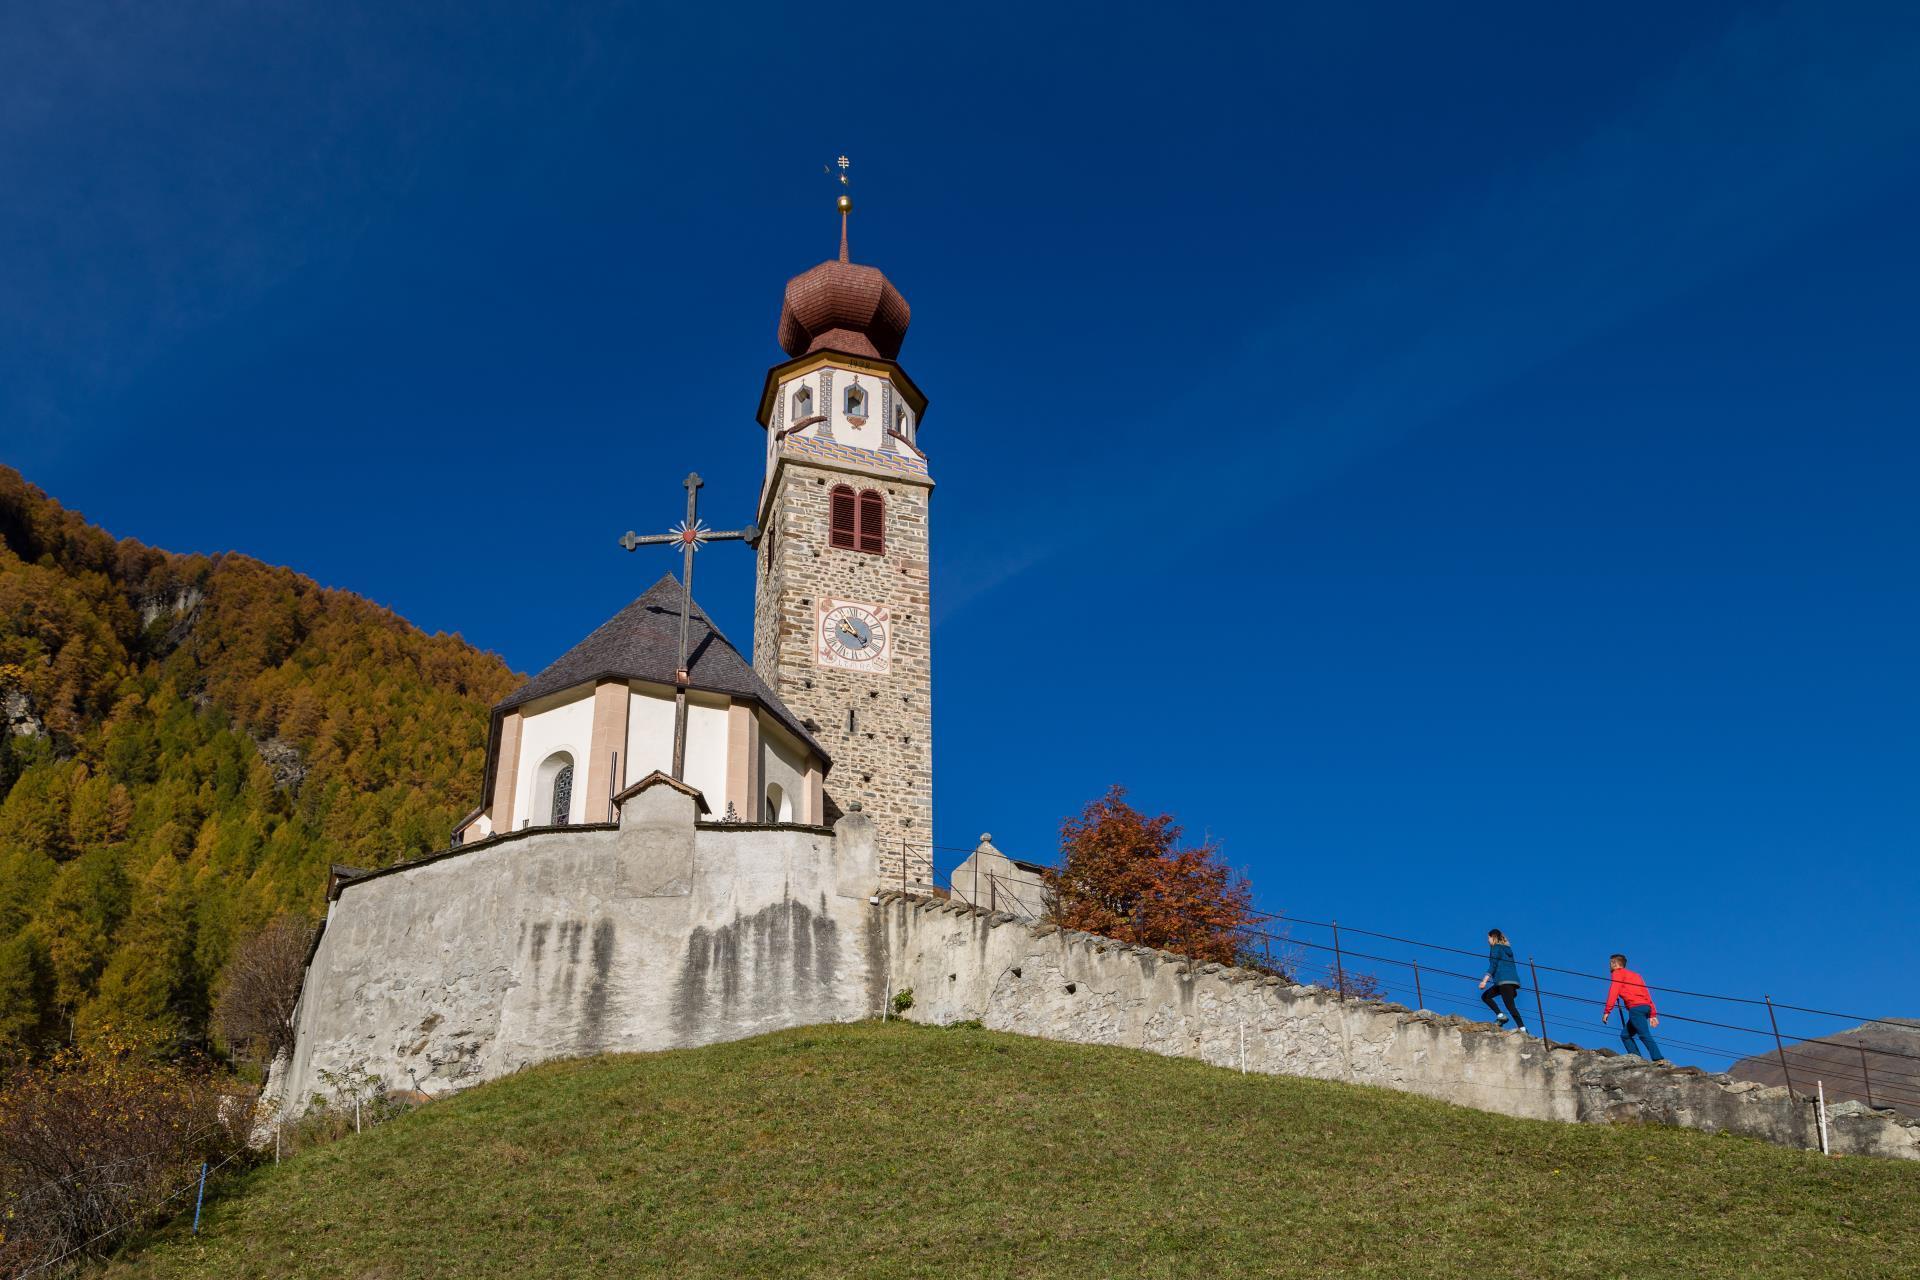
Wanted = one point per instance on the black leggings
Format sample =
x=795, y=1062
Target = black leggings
x=1506, y=991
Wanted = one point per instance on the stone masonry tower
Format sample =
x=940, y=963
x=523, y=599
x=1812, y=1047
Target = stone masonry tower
x=841, y=625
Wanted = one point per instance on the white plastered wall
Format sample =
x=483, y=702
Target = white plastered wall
x=562, y=723
x=869, y=435
x=650, y=739
x=783, y=764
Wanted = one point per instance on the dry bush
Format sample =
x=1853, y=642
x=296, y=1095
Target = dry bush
x=253, y=1015
x=1354, y=984
x=97, y=1143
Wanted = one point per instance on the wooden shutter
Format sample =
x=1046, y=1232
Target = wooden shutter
x=873, y=523
x=841, y=518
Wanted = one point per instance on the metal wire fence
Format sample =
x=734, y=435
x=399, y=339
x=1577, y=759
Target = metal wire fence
x=1713, y=1029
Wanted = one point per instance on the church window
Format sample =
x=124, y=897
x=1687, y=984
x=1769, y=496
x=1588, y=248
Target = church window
x=900, y=421
x=873, y=523
x=779, y=805
x=844, y=530
x=856, y=402
x=803, y=403
x=553, y=789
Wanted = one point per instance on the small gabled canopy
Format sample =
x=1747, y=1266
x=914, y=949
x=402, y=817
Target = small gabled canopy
x=642, y=642
x=660, y=779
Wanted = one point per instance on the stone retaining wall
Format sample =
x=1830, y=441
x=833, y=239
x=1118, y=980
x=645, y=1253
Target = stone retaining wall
x=659, y=932
x=964, y=963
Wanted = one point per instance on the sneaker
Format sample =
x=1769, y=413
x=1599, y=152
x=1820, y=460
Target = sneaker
x=1520, y=1027
x=1499, y=1019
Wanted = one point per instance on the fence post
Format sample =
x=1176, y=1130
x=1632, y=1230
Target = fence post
x=1865, y=1078
x=201, y=1198
x=1339, y=965
x=1419, y=996
x=1778, y=1047
x=993, y=890
x=1266, y=946
x=976, y=878
x=1539, y=1005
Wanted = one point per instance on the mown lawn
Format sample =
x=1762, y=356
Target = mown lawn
x=891, y=1150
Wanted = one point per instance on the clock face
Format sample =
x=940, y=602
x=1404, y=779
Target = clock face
x=852, y=635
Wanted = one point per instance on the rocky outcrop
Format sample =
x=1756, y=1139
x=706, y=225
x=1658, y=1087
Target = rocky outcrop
x=963, y=963
x=283, y=759
x=17, y=716
x=177, y=605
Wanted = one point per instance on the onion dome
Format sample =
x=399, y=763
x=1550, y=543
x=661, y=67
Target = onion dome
x=842, y=306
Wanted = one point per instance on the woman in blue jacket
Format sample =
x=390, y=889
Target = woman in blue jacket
x=1502, y=979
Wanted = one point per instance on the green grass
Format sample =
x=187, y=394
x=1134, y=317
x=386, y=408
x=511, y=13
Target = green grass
x=891, y=1150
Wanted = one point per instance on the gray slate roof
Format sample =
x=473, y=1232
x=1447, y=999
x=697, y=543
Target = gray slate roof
x=642, y=642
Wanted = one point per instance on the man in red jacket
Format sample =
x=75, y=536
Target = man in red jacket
x=1636, y=1007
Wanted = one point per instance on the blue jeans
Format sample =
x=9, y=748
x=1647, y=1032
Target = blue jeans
x=1636, y=1025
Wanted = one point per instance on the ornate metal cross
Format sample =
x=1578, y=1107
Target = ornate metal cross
x=689, y=534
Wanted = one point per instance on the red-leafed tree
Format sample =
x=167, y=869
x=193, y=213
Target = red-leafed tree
x=1124, y=876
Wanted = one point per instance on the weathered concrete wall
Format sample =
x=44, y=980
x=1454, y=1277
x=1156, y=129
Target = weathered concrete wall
x=655, y=934
x=1038, y=980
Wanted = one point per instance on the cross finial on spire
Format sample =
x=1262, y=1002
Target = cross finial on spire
x=845, y=202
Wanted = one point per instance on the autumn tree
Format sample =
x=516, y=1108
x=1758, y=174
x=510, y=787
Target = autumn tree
x=253, y=1015
x=1124, y=875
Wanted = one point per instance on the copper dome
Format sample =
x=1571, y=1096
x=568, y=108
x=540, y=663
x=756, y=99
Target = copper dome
x=841, y=306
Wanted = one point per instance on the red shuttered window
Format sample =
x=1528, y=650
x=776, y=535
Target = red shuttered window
x=841, y=520
x=857, y=522
x=873, y=523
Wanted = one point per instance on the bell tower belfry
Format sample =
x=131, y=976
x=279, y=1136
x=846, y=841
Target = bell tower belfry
x=841, y=608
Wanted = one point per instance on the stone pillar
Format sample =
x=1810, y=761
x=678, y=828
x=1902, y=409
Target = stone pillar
x=743, y=762
x=506, y=773
x=856, y=859
x=610, y=699
x=814, y=809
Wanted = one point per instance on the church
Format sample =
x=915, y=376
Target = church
x=835, y=708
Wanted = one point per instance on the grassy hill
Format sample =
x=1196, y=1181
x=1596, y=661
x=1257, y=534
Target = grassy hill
x=891, y=1150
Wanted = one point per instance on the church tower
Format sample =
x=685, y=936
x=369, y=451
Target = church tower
x=841, y=611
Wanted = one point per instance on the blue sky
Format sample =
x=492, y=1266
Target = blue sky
x=1463, y=462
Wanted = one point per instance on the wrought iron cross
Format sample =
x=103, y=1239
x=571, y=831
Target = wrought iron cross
x=689, y=534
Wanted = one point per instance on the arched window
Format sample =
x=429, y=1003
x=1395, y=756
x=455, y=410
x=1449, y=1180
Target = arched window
x=779, y=805
x=856, y=404
x=842, y=519
x=857, y=522
x=803, y=403
x=553, y=789
x=900, y=421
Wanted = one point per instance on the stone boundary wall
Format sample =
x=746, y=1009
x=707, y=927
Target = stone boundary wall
x=659, y=932
x=965, y=963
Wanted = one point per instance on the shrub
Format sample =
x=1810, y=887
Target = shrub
x=1125, y=876
x=253, y=1015
x=96, y=1143
x=902, y=1000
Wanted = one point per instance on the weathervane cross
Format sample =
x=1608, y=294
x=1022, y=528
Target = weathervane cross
x=690, y=534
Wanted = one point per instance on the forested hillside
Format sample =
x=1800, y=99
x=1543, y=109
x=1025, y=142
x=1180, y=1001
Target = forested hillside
x=186, y=743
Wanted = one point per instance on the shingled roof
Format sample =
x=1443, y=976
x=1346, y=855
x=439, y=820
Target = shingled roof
x=642, y=642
